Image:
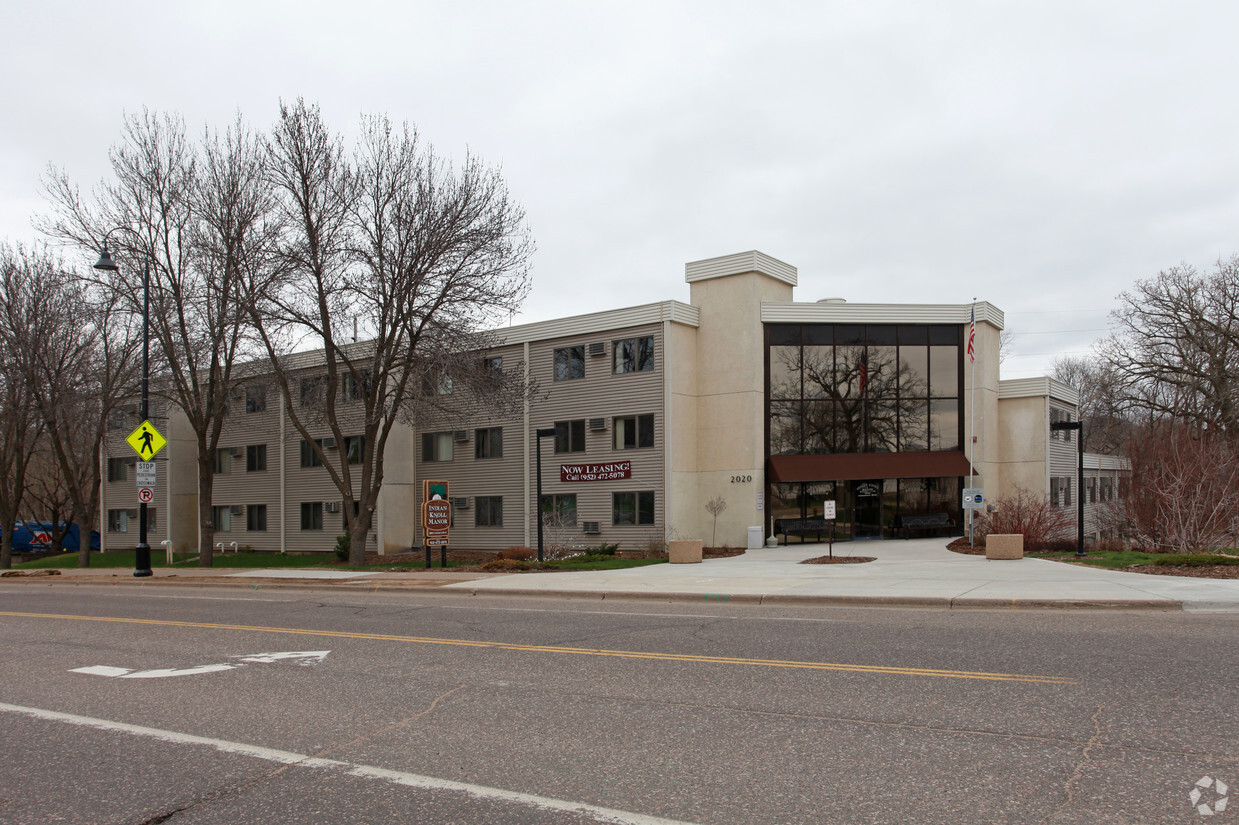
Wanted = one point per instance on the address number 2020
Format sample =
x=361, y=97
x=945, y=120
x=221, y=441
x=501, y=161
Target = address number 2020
x=741, y=479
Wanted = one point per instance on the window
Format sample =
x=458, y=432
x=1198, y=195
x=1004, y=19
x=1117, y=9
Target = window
x=437, y=384
x=632, y=508
x=355, y=448
x=121, y=417
x=570, y=363
x=488, y=442
x=1057, y=415
x=570, y=436
x=633, y=431
x=492, y=364
x=559, y=510
x=312, y=390
x=223, y=461
x=256, y=517
x=633, y=354
x=118, y=521
x=255, y=399
x=356, y=387
x=311, y=515
x=488, y=511
x=118, y=469
x=1065, y=486
x=437, y=447
x=151, y=518
x=221, y=518
x=255, y=458
x=1092, y=491
x=1107, y=488
x=310, y=458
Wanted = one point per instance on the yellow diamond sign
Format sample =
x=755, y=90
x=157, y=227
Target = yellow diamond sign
x=146, y=440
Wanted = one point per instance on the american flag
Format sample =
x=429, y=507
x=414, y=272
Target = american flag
x=972, y=335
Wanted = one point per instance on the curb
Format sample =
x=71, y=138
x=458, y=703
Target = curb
x=770, y=599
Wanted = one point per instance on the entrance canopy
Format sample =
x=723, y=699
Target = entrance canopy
x=849, y=466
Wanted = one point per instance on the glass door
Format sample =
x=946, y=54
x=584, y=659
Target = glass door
x=867, y=509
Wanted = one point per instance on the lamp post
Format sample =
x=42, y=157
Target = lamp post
x=142, y=553
x=1077, y=425
x=545, y=432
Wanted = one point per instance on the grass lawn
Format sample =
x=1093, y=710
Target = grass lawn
x=596, y=563
x=1117, y=559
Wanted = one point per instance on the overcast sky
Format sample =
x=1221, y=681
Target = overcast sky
x=1041, y=156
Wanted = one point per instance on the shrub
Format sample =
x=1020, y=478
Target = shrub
x=1030, y=515
x=603, y=549
x=517, y=553
x=343, y=543
x=505, y=564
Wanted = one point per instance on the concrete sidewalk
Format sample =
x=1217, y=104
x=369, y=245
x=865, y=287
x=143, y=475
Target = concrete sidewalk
x=917, y=572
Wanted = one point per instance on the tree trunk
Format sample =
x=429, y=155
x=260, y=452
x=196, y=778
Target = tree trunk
x=6, y=544
x=83, y=543
x=206, y=487
x=357, y=532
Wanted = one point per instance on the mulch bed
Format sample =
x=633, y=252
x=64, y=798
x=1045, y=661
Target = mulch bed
x=839, y=560
x=1210, y=571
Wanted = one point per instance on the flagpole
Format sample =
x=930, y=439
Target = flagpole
x=972, y=441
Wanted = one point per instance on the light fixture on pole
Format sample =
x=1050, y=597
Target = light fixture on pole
x=142, y=553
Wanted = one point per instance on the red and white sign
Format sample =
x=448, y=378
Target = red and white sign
x=146, y=495
x=595, y=472
x=40, y=538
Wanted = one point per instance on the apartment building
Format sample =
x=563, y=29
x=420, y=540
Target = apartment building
x=742, y=395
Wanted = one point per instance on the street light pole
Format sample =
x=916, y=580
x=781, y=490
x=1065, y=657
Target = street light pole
x=142, y=553
x=545, y=432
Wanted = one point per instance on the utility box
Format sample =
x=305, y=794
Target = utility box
x=756, y=538
x=1004, y=546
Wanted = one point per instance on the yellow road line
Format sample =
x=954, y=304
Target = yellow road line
x=579, y=651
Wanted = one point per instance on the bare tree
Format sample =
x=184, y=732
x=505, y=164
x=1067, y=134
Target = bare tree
x=1187, y=498
x=715, y=508
x=77, y=361
x=47, y=494
x=1106, y=426
x=420, y=255
x=20, y=426
x=198, y=215
x=1175, y=348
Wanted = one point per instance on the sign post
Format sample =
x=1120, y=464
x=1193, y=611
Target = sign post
x=436, y=519
x=828, y=512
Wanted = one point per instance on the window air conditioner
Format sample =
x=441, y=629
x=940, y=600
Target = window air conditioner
x=132, y=513
x=332, y=506
x=460, y=503
x=597, y=423
x=238, y=452
x=590, y=528
x=462, y=435
x=329, y=443
x=236, y=509
x=597, y=348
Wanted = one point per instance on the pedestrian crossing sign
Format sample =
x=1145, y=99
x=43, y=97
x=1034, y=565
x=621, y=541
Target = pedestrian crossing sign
x=146, y=441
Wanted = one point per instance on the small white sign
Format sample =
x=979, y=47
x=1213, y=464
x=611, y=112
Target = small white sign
x=974, y=498
x=761, y=501
x=828, y=509
x=145, y=473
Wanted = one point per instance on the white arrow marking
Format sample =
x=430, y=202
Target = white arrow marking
x=306, y=657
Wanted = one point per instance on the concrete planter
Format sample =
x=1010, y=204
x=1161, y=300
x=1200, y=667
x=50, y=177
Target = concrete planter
x=1004, y=546
x=684, y=551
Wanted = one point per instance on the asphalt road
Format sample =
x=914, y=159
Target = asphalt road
x=430, y=708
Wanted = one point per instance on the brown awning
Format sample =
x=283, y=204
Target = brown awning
x=848, y=466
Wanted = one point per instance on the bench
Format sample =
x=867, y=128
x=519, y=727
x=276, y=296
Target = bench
x=924, y=521
x=802, y=527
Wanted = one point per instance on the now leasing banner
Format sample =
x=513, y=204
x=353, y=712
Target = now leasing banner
x=595, y=472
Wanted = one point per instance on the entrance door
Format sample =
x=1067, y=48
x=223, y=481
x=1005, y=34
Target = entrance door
x=867, y=509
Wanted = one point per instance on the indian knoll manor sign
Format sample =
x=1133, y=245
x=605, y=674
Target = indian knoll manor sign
x=595, y=472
